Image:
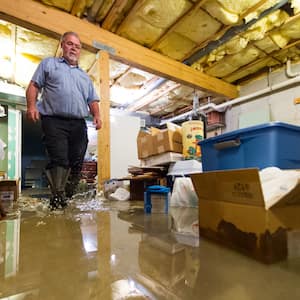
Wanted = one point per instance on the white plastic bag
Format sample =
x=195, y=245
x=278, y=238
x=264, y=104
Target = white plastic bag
x=120, y=194
x=183, y=193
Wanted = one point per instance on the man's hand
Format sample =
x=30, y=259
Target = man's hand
x=32, y=91
x=97, y=122
x=32, y=114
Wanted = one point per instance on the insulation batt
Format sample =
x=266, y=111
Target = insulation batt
x=295, y=4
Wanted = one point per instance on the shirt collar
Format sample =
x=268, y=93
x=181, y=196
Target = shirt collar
x=62, y=59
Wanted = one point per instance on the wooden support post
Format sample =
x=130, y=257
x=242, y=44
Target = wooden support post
x=104, y=132
x=104, y=255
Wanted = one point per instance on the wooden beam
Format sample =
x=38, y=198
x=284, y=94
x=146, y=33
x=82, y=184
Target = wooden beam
x=53, y=22
x=13, y=37
x=104, y=132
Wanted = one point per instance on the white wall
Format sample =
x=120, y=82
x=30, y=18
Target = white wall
x=279, y=104
x=123, y=147
x=124, y=131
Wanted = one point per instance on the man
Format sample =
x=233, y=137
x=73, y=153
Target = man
x=67, y=93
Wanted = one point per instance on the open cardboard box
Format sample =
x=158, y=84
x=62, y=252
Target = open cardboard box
x=232, y=211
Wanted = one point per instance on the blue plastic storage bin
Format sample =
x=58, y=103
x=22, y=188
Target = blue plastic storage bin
x=272, y=144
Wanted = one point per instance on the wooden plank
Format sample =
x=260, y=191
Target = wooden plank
x=104, y=133
x=13, y=38
x=53, y=22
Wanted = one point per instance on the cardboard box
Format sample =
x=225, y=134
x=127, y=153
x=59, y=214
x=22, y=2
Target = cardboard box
x=9, y=189
x=144, y=144
x=158, y=141
x=232, y=212
x=167, y=141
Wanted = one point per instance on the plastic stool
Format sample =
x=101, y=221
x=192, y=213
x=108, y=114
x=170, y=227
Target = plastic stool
x=154, y=191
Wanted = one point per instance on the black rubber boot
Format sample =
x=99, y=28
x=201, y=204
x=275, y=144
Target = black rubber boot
x=57, y=177
x=71, y=185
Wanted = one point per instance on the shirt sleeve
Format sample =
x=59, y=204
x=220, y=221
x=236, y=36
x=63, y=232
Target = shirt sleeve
x=39, y=75
x=92, y=93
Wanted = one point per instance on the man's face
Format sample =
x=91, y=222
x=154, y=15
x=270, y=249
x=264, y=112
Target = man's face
x=71, y=49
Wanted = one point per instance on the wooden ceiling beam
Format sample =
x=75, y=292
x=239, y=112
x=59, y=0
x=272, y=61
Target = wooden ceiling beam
x=53, y=22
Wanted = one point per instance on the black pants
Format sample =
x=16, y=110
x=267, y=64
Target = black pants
x=66, y=142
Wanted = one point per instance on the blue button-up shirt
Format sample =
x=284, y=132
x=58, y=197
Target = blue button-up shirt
x=66, y=89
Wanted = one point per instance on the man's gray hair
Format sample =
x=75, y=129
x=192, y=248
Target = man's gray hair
x=69, y=33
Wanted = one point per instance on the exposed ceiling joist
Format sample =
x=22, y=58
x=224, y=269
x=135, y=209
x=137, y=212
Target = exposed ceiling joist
x=53, y=22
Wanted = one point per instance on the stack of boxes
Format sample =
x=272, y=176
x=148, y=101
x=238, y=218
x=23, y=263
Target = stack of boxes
x=156, y=141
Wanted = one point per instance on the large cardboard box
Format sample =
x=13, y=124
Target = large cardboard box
x=232, y=211
x=144, y=144
x=167, y=141
x=158, y=141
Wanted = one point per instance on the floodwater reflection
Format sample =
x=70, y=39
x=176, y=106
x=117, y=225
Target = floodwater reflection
x=97, y=249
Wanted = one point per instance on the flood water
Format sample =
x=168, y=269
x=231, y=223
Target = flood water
x=97, y=249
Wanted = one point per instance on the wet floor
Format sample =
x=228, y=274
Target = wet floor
x=98, y=249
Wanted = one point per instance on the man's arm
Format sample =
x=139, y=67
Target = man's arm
x=31, y=98
x=94, y=108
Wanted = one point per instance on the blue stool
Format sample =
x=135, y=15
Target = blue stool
x=156, y=191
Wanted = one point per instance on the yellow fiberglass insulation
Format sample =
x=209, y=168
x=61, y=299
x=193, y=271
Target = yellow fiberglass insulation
x=232, y=62
x=258, y=30
x=63, y=4
x=234, y=46
x=176, y=46
x=267, y=45
x=295, y=4
x=255, y=13
x=220, y=13
x=198, y=27
x=162, y=13
x=291, y=29
x=150, y=20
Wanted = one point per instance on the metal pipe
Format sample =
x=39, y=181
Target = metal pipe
x=289, y=72
x=223, y=106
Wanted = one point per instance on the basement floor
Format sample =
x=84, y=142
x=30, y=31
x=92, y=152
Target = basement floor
x=98, y=249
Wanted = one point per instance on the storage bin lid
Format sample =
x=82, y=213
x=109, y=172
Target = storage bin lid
x=158, y=189
x=251, y=129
